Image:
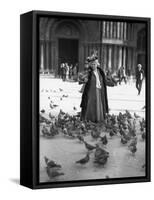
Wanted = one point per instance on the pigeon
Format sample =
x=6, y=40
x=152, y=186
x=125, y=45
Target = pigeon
x=53, y=130
x=61, y=112
x=45, y=131
x=51, y=106
x=136, y=116
x=143, y=166
x=123, y=140
x=129, y=116
x=143, y=107
x=95, y=134
x=101, y=156
x=133, y=142
x=42, y=111
x=143, y=135
x=111, y=133
x=60, y=89
x=100, y=152
x=51, y=116
x=53, y=173
x=80, y=137
x=55, y=105
x=133, y=149
x=89, y=147
x=51, y=163
x=84, y=160
x=74, y=108
x=65, y=131
x=65, y=96
x=102, y=160
x=104, y=140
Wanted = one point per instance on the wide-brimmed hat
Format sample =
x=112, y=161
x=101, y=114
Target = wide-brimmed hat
x=92, y=58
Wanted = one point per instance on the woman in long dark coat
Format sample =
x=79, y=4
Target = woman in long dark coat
x=94, y=103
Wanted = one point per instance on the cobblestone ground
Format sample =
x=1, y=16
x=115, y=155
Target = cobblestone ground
x=66, y=151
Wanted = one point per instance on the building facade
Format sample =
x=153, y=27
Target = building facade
x=73, y=40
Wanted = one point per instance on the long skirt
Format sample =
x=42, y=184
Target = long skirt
x=94, y=111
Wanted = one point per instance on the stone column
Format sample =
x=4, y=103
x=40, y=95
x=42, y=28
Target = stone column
x=110, y=58
x=107, y=29
x=124, y=57
x=47, y=56
x=134, y=60
x=114, y=29
x=122, y=30
x=81, y=57
x=118, y=30
x=105, y=58
x=104, y=29
x=54, y=57
x=125, y=31
x=41, y=57
x=111, y=29
x=51, y=56
x=44, y=54
x=115, y=58
x=128, y=31
x=120, y=57
x=129, y=60
x=101, y=55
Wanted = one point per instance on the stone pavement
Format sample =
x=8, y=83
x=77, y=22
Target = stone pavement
x=120, y=97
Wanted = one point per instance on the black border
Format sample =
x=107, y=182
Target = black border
x=35, y=184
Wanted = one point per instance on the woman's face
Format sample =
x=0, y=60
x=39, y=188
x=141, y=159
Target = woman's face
x=93, y=65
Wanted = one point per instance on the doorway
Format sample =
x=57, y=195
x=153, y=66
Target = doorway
x=68, y=51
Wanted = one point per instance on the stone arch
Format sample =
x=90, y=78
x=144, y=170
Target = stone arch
x=74, y=24
x=63, y=28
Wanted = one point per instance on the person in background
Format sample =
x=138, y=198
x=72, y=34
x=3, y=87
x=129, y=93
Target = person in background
x=94, y=102
x=110, y=78
x=67, y=71
x=62, y=71
x=122, y=75
x=70, y=71
x=75, y=76
x=139, y=78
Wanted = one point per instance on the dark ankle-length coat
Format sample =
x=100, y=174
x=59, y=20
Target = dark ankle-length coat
x=89, y=97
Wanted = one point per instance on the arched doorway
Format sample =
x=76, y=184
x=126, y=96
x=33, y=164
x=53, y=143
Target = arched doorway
x=67, y=36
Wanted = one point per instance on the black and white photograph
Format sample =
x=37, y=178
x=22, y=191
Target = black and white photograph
x=92, y=98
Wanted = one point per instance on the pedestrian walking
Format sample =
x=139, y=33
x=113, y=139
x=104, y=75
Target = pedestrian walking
x=122, y=75
x=139, y=78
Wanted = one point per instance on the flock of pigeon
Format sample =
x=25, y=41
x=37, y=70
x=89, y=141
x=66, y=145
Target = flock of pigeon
x=124, y=125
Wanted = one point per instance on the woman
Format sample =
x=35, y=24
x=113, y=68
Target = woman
x=94, y=104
